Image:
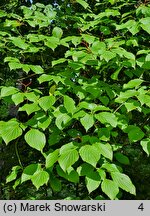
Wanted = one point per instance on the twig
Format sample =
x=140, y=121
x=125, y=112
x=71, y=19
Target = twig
x=17, y=154
x=119, y=107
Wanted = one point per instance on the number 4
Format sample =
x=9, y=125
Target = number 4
x=141, y=207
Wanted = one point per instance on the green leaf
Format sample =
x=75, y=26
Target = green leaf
x=132, y=104
x=60, y=172
x=74, y=133
x=107, y=118
x=102, y=173
x=87, y=121
x=33, y=38
x=147, y=57
x=52, y=158
x=133, y=83
x=104, y=134
x=79, y=114
x=105, y=30
x=68, y=158
x=134, y=133
x=18, y=98
x=83, y=3
x=76, y=65
x=37, y=69
x=59, y=61
x=110, y=188
x=57, y=32
x=52, y=42
x=98, y=47
x=17, y=182
x=143, y=52
x=108, y=55
x=11, y=59
x=124, y=182
x=85, y=169
x=25, y=67
x=7, y=91
x=72, y=175
x=110, y=167
x=125, y=95
x=145, y=24
x=113, y=1
x=19, y=42
x=68, y=147
x=54, y=137
x=31, y=96
x=144, y=99
x=146, y=145
x=15, y=65
x=12, y=23
x=75, y=40
x=32, y=49
x=55, y=184
x=85, y=105
x=44, y=122
x=143, y=9
x=92, y=181
x=134, y=29
x=115, y=75
x=46, y=102
x=30, y=108
x=69, y=104
x=45, y=78
x=13, y=175
x=88, y=38
x=52, y=89
x=104, y=100
x=40, y=178
x=105, y=150
x=89, y=154
x=10, y=130
x=2, y=13
x=122, y=158
x=131, y=25
x=28, y=172
x=36, y=139
x=62, y=120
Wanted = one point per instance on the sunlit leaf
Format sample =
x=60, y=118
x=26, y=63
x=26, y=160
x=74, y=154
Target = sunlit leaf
x=6, y=91
x=92, y=181
x=124, y=182
x=40, y=178
x=13, y=175
x=69, y=104
x=105, y=150
x=10, y=130
x=46, y=102
x=133, y=83
x=52, y=158
x=67, y=159
x=36, y=139
x=83, y=3
x=110, y=188
x=89, y=154
x=145, y=143
x=87, y=121
x=57, y=32
x=28, y=172
x=107, y=118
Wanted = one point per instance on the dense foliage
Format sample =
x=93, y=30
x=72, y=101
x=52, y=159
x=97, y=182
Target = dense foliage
x=75, y=99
